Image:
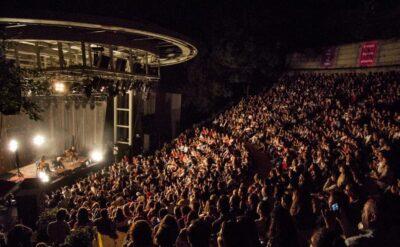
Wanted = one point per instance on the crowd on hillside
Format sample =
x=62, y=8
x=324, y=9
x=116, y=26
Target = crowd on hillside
x=333, y=179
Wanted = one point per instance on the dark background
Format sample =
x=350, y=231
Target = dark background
x=242, y=44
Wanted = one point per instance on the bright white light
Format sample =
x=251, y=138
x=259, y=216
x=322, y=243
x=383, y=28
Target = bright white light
x=38, y=140
x=43, y=177
x=13, y=145
x=59, y=87
x=96, y=156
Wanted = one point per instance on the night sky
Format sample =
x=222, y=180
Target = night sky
x=319, y=21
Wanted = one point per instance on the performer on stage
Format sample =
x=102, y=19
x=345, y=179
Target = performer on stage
x=71, y=154
x=42, y=165
x=58, y=163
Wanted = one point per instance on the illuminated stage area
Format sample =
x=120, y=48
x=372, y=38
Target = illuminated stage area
x=32, y=171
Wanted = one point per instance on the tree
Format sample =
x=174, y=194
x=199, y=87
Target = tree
x=15, y=89
x=232, y=63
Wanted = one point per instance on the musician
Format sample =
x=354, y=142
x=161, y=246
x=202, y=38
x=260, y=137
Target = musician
x=42, y=165
x=58, y=163
x=71, y=154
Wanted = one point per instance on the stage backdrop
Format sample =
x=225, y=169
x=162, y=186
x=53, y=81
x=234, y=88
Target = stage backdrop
x=63, y=125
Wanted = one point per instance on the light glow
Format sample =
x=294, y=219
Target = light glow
x=96, y=156
x=43, y=177
x=13, y=145
x=38, y=140
x=59, y=87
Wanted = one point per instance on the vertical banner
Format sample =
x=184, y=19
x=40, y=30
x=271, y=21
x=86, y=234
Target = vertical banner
x=368, y=52
x=328, y=57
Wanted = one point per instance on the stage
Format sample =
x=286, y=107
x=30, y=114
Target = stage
x=11, y=183
x=30, y=171
x=30, y=187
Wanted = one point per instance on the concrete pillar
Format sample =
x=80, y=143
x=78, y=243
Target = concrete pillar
x=131, y=61
x=110, y=48
x=158, y=67
x=83, y=50
x=90, y=56
x=60, y=55
x=38, y=60
x=146, y=63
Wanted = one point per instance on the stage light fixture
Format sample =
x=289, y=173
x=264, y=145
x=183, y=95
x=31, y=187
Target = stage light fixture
x=38, y=140
x=13, y=145
x=96, y=156
x=59, y=87
x=43, y=177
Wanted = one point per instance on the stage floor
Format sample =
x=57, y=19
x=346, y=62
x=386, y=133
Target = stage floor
x=30, y=171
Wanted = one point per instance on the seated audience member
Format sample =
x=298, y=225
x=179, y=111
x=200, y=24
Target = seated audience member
x=262, y=222
x=140, y=235
x=42, y=244
x=19, y=236
x=59, y=229
x=120, y=220
x=83, y=219
x=374, y=228
x=167, y=232
x=322, y=237
x=199, y=234
x=229, y=235
x=104, y=225
x=282, y=231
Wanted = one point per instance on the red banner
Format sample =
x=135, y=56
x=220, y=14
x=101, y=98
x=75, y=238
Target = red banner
x=328, y=57
x=368, y=51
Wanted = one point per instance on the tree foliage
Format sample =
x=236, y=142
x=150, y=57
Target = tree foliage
x=15, y=90
x=233, y=61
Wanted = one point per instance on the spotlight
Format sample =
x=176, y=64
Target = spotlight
x=13, y=145
x=43, y=177
x=38, y=140
x=59, y=87
x=96, y=156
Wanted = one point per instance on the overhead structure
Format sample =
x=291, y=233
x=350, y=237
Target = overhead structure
x=89, y=57
x=62, y=44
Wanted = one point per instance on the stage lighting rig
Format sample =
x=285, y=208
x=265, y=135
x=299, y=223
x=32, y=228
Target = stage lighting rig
x=13, y=145
x=44, y=177
x=96, y=156
x=38, y=140
x=59, y=87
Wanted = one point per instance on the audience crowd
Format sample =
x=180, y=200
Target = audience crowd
x=332, y=180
